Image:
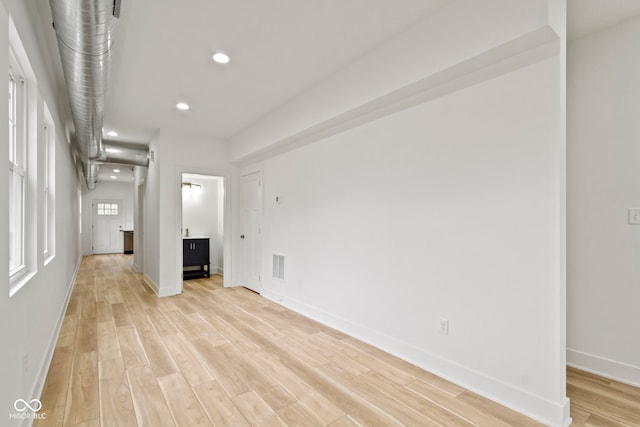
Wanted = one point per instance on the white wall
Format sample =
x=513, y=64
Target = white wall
x=31, y=318
x=436, y=191
x=151, y=210
x=139, y=174
x=106, y=190
x=603, y=182
x=449, y=209
x=200, y=214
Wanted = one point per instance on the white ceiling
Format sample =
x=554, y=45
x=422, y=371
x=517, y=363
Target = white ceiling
x=107, y=172
x=278, y=48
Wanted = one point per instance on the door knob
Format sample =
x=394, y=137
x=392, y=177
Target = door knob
x=242, y=236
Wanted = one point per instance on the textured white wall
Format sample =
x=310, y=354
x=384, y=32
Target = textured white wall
x=603, y=319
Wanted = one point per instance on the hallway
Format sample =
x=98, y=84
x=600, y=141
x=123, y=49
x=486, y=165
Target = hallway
x=216, y=356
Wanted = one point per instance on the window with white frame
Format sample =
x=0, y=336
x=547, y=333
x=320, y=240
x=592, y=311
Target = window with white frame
x=45, y=189
x=107, y=209
x=17, y=167
x=48, y=177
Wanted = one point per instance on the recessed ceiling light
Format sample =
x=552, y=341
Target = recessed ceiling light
x=182, y=106
x=116, y=170
x=113, y=177
x=112, y=133
x=221, y=58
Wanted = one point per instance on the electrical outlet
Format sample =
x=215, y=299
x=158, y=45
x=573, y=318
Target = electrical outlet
x=634, y=216
x=443, y=326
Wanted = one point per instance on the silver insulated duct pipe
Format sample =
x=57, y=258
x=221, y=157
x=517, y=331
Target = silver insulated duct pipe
x=124, y=154
x=84, y=33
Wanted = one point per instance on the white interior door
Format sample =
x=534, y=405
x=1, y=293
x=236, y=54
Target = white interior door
x=107, y=223
x=250, y=231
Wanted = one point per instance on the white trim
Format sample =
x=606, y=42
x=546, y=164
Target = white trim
x=536, y=407
x=18, y=281
x=164, y=292
x=170, y=292
x=48, y=259
x=151, y=284
x=612, y=369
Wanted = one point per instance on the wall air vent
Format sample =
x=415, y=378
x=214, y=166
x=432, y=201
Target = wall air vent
x=278, y=267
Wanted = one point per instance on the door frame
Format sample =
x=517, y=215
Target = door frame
x=228, y=237
x=93, y=217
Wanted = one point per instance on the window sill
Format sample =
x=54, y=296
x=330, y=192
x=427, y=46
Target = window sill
x=19, y=283
x=48, y=259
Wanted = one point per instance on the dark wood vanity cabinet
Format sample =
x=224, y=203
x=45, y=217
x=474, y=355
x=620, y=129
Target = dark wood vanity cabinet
x=195, y=253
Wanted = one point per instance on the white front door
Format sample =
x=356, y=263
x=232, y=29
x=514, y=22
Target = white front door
x=251, y=232
x=107, y=223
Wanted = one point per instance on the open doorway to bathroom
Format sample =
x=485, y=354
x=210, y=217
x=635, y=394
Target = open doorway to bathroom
x=202, y=231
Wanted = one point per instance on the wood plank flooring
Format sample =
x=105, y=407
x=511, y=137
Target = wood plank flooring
x=227, y=357
x=598, y=401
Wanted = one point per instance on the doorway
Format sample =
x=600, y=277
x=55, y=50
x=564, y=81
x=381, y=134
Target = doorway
x=107, y=226
x=203, y=227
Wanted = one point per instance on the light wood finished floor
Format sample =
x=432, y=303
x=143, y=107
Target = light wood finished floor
x=597, y=401
x=227, y=357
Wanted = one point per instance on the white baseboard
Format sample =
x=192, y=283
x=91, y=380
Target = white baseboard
x=536, y=407
x=604, y=367
x=38, y=386
x=156, y=289
x=169, y=292
x=151, y=284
